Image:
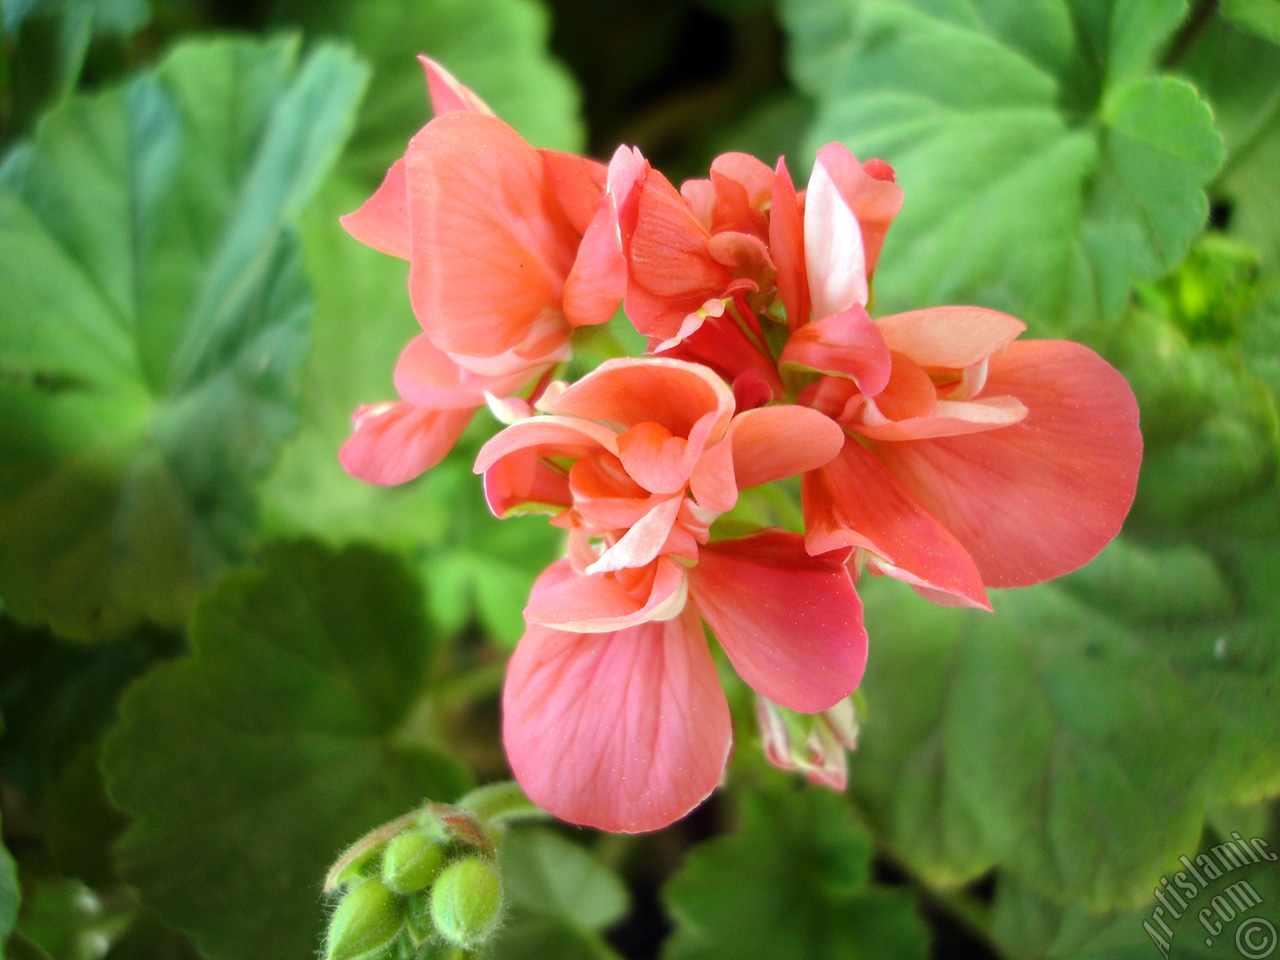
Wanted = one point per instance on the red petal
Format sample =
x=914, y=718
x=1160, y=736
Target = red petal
x=624, y=731
x=1040, y=498
x=786, y=243
x=790, y=623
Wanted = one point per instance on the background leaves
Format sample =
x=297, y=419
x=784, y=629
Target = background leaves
x=148, y=230
x=294, y=721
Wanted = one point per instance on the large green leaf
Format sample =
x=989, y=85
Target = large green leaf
x=1046, y=165
x=1075, y=736
x=153, y=318
x=1240, y=75
x=1206, y=905
x=792, y=882
x=497, y=47
x=249, y=765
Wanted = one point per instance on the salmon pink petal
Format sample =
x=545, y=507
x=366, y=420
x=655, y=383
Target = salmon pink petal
x=949, y=337
x=847, y=344
x=790, y=623
x=909, y=393
x=447, y=93
x=1040, y=498
x=754, y=176
x=655, y=459
x=598, y=281
x=430, y=378
x=600, y=602
x=491, y=244
x=671, y=273
x=550, y=437
x=578, y=183
x=855, y=501
x=786, y=242
x=395, y=442
x=634, y=390
x=870, y=192
x=950, y=418
x=383, y=220
x=770, y=443
x=625, y=731
x=524, y=482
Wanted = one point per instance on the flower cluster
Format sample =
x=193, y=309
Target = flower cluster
x=930, y=446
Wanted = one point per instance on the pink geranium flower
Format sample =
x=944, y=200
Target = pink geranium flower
x=505, y=260
x=613, y=715
x=969, y=460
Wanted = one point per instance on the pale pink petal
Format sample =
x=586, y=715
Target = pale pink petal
x=382, y=222
x=491, y=244
x=447, y=93
x=600, y=602
x=642, y=543
x=770, y=443
x=950, y=418
x=833, y=249
x=428, y=377
x=395, y=442
x=632, y=390
x=854, y=501
x=847, y=344
x=952, y=337
x=786, y=243
x=1040, y=498
x=870, y=192
x=790, y=623
x=624, y=731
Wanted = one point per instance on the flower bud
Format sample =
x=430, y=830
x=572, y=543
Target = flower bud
x=367, y=919
x=815, y=745
x=411, y=861
x=466, y=901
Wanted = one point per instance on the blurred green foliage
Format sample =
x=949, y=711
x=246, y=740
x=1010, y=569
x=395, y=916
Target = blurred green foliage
x=222, y=659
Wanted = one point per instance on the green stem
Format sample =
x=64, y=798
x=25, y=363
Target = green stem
x=501, y=803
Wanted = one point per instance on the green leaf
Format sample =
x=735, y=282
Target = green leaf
x=1075, y=737
x=1046, y=166
x=1240, y=76
x=9, y=896
x=1258, y=16
x=288, y=728
x=1026, y=926
x=152, y=320
x=496, y=47
x=547, y=874
x=528, y=935
x=791, y=883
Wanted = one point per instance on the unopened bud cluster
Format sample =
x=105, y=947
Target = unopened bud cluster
x=414, y=888
x=817, y=745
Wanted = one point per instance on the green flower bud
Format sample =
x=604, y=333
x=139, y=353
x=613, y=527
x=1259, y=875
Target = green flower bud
x=466, y=901
x=367, y=919
x=418, y=923
x=412, y=860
